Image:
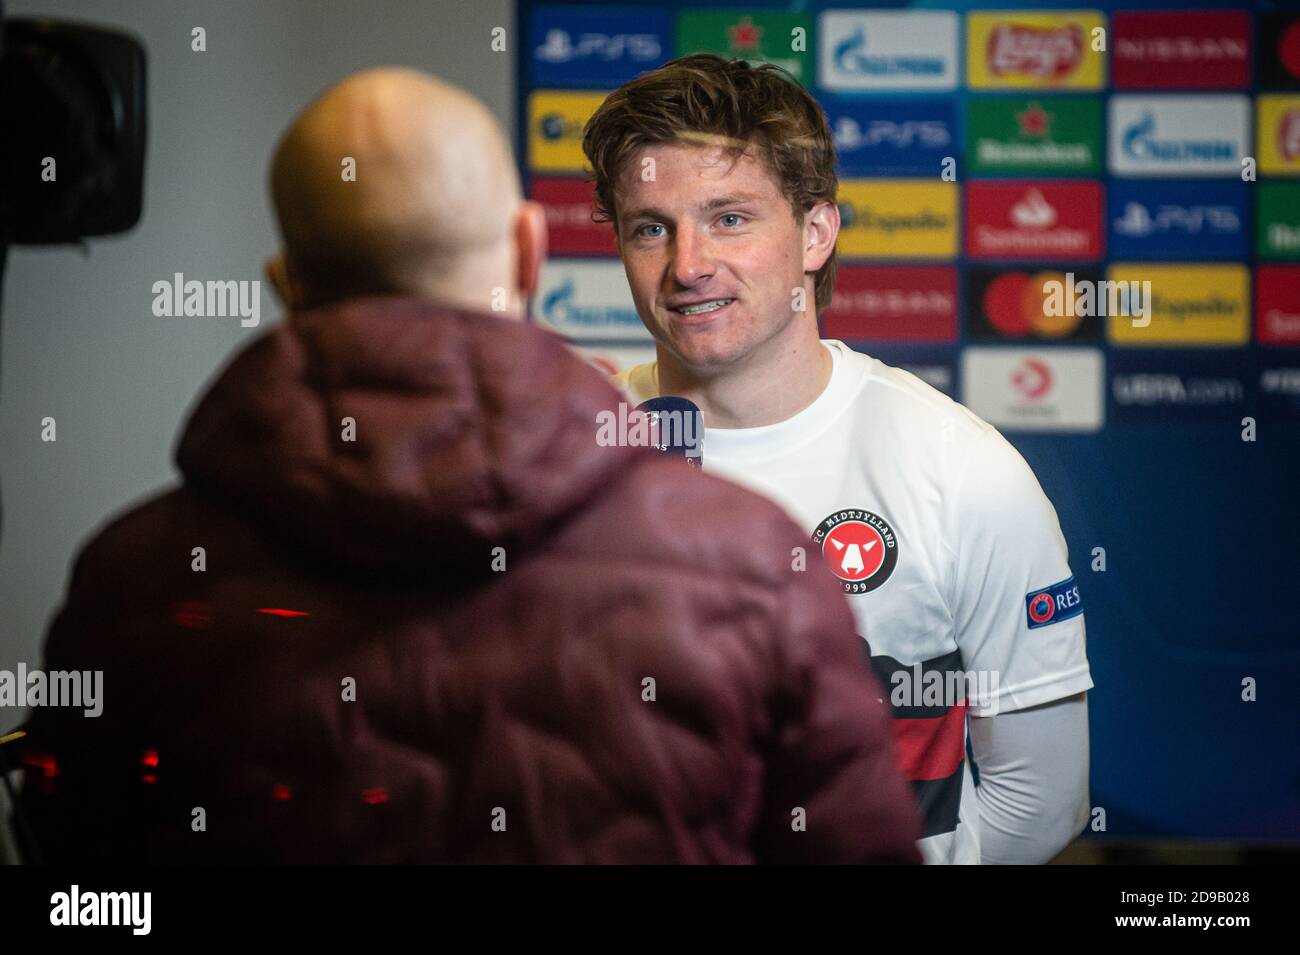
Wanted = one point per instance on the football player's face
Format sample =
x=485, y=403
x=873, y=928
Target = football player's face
x=697, y=227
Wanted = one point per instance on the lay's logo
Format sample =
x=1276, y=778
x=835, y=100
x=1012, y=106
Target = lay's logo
x=1033, y=50
x=1025, y=51
x=1278, y=134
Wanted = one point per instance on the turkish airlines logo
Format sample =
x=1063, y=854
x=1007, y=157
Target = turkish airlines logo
x=859, y=547
x=1043, y=53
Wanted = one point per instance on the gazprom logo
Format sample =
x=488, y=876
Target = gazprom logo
x=887, y=50
x=1160, y=134
x=559, y=308
x=851, y=57
x=1141, y=142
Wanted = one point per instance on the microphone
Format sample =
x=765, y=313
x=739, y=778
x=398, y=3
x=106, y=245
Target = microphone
x=677, y=427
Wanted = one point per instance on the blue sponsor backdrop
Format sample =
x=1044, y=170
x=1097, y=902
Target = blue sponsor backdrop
x=1163, y=220
x=892, y=138
x=1200, y=529
x=596, y=47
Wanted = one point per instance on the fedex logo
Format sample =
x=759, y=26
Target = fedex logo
x=1061, y=601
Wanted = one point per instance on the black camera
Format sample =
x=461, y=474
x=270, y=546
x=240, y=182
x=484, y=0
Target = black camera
x=72, y=105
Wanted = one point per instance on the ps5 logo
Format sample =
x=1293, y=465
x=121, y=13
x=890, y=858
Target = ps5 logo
x=927, y=134
x=560, y=48
x=1138, y=222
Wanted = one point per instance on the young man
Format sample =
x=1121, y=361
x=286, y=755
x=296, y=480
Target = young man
x=719, y=180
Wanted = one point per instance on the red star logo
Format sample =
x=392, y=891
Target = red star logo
x=1034, y=121
x=744, y=35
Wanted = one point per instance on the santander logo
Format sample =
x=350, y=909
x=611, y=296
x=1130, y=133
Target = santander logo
x=1033, y=212
x=1040, y=52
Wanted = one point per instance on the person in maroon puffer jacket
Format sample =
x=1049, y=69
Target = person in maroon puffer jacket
x=433, y=620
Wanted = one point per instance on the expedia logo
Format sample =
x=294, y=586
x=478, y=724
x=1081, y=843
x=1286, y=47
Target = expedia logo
x=889, y=223
x=897, y=218
x=859, y=547
x=555, y=127
x=1055, y=603
x=555, y=122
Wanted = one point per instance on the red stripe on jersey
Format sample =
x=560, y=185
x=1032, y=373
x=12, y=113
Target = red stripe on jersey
x=931, y=748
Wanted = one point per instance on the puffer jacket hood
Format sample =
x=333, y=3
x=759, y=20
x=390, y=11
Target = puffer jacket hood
x=468, y=431
x=345, y=673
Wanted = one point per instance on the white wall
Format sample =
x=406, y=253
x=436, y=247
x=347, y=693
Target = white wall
x=79, y=340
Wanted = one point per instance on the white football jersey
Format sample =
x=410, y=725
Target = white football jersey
x=950, y=554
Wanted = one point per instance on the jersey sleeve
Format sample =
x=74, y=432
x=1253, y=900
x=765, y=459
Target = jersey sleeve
x=1017, y=609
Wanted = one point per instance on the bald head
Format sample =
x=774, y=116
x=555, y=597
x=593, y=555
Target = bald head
x=435, y=208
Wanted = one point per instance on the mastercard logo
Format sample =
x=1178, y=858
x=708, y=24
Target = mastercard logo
x=1015, y=305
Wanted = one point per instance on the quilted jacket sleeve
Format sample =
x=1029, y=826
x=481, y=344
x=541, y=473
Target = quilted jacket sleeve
x=834, y=794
